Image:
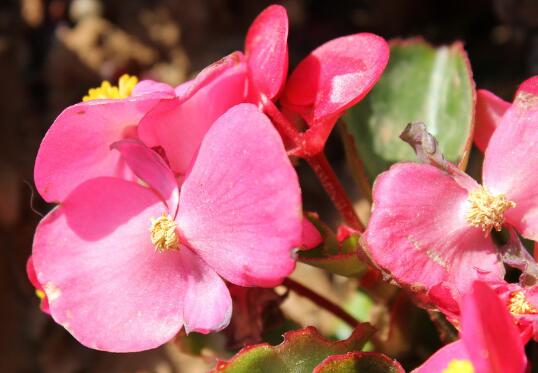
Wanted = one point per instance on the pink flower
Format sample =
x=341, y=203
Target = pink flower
x=490, y=110
x=522, y=303
x=125, y=266
x=332, y=78
x=77, y=146
x=490, y=341
x=430, y=229
x=329, y=80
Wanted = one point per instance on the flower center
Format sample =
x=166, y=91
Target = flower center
x=126, y=83
x=163, y=233
x=519, y=305
x=487, y=210
x=459, y=366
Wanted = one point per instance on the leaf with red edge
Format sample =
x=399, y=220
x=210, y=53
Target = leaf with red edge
x=334, y=255
x=266, y=49
x=359, y=362
x=301, y=351
x=421, y=84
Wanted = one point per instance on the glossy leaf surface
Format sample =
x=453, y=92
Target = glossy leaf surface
x=420, y=84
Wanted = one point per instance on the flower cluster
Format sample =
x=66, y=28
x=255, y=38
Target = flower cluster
x=165, y=194
x=168, y=197
x=431, y=231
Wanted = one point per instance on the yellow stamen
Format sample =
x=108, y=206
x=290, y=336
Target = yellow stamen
x=40, y=294
x=126, y=83
x=519, y=305
x=163, y=233
x=487, y=210
x=459, y=366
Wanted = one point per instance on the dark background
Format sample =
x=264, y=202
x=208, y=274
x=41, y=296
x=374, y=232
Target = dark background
x=51, y=52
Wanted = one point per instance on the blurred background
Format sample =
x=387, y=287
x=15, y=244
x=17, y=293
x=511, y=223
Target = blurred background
x=52, y=51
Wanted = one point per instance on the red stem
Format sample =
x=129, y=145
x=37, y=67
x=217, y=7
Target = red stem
x=283, y=125
x=330, y=182
x=321, y=301
x=319, y=164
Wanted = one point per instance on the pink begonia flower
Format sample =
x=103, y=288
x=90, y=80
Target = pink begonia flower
x=329, y=80
x=179, y=125
x=490, y=341
x=76, y=147
x=430, y=230
x=124, y=269
x=490, y=109
x=332, y=78
x=522, y=303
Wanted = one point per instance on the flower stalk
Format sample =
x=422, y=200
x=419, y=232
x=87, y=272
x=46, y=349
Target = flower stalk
x=321, y=302
x=319, y=164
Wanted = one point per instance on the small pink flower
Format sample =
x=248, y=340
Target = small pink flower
x=430, y=229
x=332, y=78
x=490, y=110
x=522, y=303
x=76, y=147
x=490, y=341
x=125, y=266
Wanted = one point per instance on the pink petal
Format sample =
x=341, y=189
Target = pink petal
x=510, y=165
x=240, y=206
x=149, y=87
x=207, y=301
x=489, y=111
x=77, y=145
x=336, y=75
x=529, y=87
x=418, y=232
x=311, y=235
x=105, y=283
x=32, y=276
x=440, y=360
x=183, y=88
x=489, y=333
x=179, y=125
x=150, y=167
x=267, y=51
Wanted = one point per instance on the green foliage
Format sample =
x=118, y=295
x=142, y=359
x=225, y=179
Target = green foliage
x=301, y=351
x=421, y=83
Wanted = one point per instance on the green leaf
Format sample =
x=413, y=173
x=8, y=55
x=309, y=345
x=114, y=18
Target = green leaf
x=301, y=351
x=421, y=84
x=359, y=362
x=334, y=256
